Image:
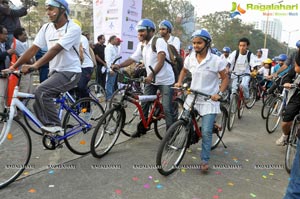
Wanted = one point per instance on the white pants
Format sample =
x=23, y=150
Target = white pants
x=244, y=84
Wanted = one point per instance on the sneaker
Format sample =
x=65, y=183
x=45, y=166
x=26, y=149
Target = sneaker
x=204, y=167
x=53, y=129
x=282, y=140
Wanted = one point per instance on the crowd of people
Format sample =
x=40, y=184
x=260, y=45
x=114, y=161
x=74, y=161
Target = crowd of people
x=64, y=58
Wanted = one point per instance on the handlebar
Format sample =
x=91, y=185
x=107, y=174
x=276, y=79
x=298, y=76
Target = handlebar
x=239, y=75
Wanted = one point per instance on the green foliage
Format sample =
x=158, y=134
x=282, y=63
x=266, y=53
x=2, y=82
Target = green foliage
x=226, y=31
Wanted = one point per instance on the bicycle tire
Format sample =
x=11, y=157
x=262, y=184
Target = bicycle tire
x=266, y=106
x=241, y=107
x=29, y=104
x=291, y=146
x=99, y=146
x=97, y=92
x=232, y=111
x=132, y=115
x=90, y=111
x=252, y=97
x=218, y=132
x=15, y=145
x=175, y=140
x=274, y=115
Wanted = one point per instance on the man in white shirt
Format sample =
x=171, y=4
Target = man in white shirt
x=165, y=30
x=164, y=76
x=62, y=37
x=111, y=53
x=241, y=65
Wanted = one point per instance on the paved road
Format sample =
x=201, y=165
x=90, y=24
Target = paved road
x=127, y=171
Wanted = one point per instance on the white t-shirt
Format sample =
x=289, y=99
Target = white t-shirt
x=166, y=75
x=87, y=61
x=175, y=42
x=241, y=66
x=258, y=61
x=264, y=71
x=67, y=37
x=205, y=79
x=111, y=53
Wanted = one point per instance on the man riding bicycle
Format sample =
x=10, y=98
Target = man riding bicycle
x=62, y=37
x=164, y=75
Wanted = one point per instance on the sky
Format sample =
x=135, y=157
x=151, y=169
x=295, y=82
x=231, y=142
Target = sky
x=289, y=23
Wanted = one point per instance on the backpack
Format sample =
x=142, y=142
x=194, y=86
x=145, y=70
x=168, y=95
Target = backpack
x=176, y=61
x=237, y=55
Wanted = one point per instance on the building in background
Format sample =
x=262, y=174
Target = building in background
x=272, y=27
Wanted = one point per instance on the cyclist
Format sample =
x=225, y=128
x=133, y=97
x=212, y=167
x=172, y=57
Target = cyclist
x=225, y=52
x=62, y=37
x=241, y=62
x=264, y=72
x=205, y=68
x=258, y=59
x=165, y=30
x=293, y=188
x=164, y=75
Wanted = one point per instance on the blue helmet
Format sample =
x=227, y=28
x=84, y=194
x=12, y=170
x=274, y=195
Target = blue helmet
x=214, y=51
x=204, y=34
x=226, y=49
x=190, y=47
x=298, y=44
x=145, y=24
x=59, y=4
x=282, y=57
x=166, y=24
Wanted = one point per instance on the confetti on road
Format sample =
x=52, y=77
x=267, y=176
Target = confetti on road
x=225, y=152
x=51, y=186
x=135, y=178
x=156, y=181
x=215, y=196
x=271, y=174
x=264, y=176
x=195, y=158
x=247, y=160
x=9, y=136
x=230, y=184
x=118, y=191
x=189, y=150
x=32, y=191
x=150, y=177
x=82, y=142
x=146, y=186
x=51, y=172
x=159, y=186
x=252, y=195
x=220, y=190
x=234, y=159
x=25, y=173
x=218, y=173
x=183, y=170
x=37, y=157
x=199, y=149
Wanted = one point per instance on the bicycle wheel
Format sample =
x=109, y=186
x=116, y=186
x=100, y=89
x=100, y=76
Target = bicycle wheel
x=172, y=148
x=88, y=110
x=266, y=106
x=232, y=110
x=107, y=131
x=97, y=92
x=15, y=153
x=29, y=104
x=252, y=97
x=241, y=107
x=219, y=127
x=274, y=115
x=132, y=114
x=292, y=145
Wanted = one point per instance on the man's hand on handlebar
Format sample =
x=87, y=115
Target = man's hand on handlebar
x=149, y=79
x=27, y=68
x=115, y=67
x=178, y=84
x=215, y=97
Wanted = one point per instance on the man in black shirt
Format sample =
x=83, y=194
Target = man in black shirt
x=101, y=65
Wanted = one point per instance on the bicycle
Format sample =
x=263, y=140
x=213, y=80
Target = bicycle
x=15, y=141
x=237, y=102
x=113, y=120
x=291, y=144
x=275, y=111
x=185, y=132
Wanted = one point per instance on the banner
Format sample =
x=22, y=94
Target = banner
x=117, y=17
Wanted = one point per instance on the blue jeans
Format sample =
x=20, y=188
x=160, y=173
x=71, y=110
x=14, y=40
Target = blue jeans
x=110, y=85
x=244, y=84
x=293, y=189
x=207, y=125
x=167, y=94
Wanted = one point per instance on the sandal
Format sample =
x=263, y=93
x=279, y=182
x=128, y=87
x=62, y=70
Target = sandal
x=204, y=167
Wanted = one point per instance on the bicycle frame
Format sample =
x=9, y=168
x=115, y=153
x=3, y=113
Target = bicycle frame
x=17, y=103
